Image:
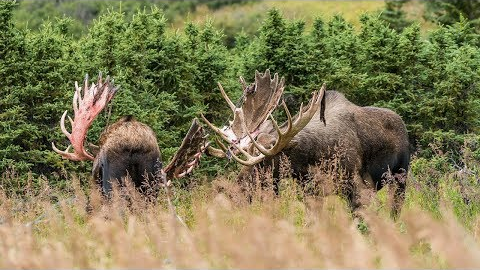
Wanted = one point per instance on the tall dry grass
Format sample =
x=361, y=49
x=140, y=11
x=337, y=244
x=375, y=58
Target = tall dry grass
x=220, y=229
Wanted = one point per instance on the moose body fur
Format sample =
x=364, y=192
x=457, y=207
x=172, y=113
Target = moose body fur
x=127, y=148
x=369, y=143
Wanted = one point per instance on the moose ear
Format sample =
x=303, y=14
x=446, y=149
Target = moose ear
x=92, y=148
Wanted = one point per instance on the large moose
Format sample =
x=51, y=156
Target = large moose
x=127, y=147
x=371, y=143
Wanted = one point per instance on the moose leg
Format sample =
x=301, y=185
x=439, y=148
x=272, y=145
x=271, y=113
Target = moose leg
x=362, y=192
x=398, y=191
x=245, y=180
x=105, y=173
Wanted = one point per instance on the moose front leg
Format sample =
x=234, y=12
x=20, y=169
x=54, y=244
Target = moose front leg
x=397, y=190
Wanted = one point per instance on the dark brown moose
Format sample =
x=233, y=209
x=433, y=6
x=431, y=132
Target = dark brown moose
x=127, y=147
x=371, y=143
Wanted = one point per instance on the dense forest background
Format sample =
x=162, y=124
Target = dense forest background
x=168, y=70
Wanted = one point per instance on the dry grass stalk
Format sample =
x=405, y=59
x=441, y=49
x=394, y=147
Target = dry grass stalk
x=289, y=230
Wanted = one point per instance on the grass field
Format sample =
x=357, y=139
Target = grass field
x=213, y=226
x=252, y=14
x=304, y=10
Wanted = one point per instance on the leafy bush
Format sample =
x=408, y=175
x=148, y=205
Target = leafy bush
x=165, y=80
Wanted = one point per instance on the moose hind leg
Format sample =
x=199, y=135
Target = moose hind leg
x=398, y=190
x=361, y=193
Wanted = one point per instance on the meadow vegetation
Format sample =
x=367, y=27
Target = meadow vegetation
x=212, y=224
x=51, y=215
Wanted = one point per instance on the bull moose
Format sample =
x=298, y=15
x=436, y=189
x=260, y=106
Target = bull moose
x=126, y=147
x=373, y=141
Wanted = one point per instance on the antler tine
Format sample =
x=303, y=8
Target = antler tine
x=289, y=119
x=267, y=73
x=214, y=128
x=215, y=152
x=285, y=136
x=64, y=153
x=275, y=77
x=107, y=81
x=282, y=82
x=243, y=83
x=274, y=81
x=250, y=160
x=101, y=88
x=258, y=76
x=100, y=80
x=85, y=87
x=225, y=96
x=300, y=112
x=62, y=125
x=76, y=95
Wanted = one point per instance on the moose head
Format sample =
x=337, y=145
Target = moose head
x=127, y=148
x=254, y=133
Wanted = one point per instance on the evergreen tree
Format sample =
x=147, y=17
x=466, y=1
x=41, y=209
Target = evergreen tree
x=394, y=15
x=452, y=11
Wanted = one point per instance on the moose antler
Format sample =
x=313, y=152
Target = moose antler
x=286, y=135
x=189, y=153
x=251, y=120
x=259, y=99
x=86, y=109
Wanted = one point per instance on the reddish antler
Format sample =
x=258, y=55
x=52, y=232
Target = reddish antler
x=86, y=109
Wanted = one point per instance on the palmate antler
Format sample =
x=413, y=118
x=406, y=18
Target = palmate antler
x=86, y=109
x=189, y=153
x=259, y=99
x=252, y=119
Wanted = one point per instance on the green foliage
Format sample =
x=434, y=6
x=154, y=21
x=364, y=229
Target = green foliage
x=439, y=181
x=165, y=81
x=450, y=12
x=32, y=14
x=394, y=15
x=167, y=78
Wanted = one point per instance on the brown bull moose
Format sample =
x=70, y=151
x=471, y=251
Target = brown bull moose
x=373, y=141
x=126, y=147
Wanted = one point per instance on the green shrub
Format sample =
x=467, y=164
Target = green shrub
x=167, y=78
